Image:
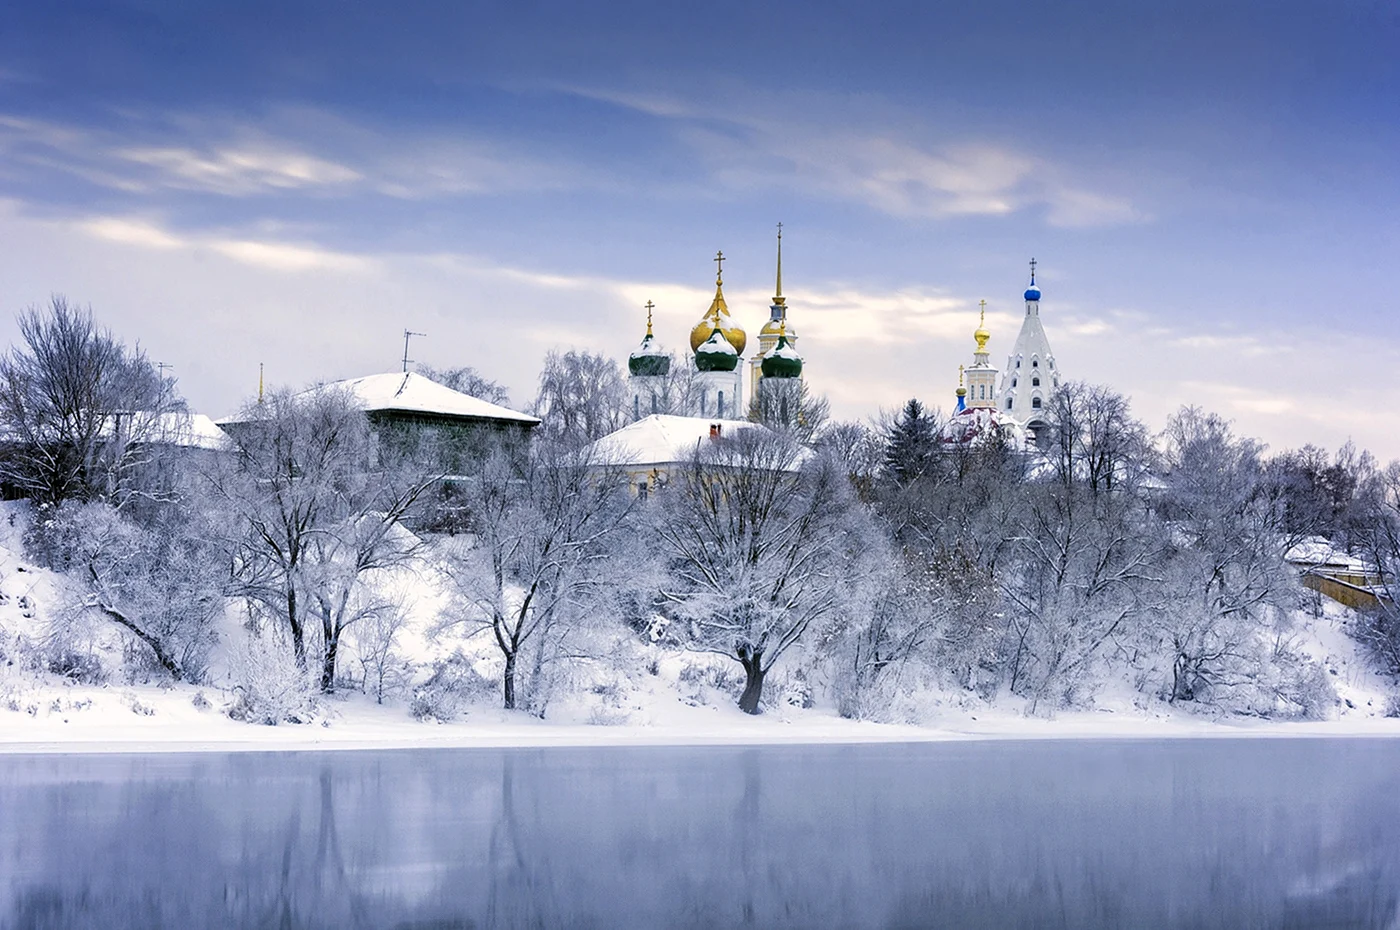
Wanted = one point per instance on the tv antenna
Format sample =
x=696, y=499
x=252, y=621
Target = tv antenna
x=408, y=334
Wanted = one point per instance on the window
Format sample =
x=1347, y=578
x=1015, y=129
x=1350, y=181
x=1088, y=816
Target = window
x=1018, y=363
x=1035, y=402
x=1035, y=382
x=1035, y=363
x=719, y=410
x=1051, y=363
x=1013, y=382
x=1008, y=403
x=636, y=407
x=642, y=490
x=654, y=403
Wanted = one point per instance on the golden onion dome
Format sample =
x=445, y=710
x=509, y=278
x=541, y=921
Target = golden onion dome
x=717, y=317
x=981, y=334
x=774, y=328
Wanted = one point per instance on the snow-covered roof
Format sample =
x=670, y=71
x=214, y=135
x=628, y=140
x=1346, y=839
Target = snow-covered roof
x=976, y=425
x=660, y=439
x=1318, y=552
x=193, y=431
x=412, y=393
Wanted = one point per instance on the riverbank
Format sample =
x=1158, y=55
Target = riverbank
x=187, y=719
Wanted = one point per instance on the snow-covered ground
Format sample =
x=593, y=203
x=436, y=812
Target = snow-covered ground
x=669, y=698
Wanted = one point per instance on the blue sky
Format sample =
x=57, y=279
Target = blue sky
x=1210, y=189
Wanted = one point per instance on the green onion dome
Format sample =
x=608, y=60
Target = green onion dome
x=647, y=360
x=783, y=361
x=716, y=354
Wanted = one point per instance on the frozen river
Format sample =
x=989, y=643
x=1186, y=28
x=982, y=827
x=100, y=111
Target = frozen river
x=1193, y=833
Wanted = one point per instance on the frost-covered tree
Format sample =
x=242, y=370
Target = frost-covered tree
x=1227, y=580
x=1086, y=565
x=1378, y=541
x=313, y=506
x=161, y=581
x=760, y=548
x=83, y=414
x=581, y=398
x=469, y=381
x=790, y=404
x=539, y=564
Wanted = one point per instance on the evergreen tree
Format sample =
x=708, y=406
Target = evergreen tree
x=909, y=443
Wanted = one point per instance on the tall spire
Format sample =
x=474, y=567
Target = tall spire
x=778, y=297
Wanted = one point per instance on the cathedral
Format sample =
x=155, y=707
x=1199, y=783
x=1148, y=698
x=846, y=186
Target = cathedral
x=711, y=382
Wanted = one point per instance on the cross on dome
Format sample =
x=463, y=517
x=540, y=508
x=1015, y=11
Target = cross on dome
x=719, y=271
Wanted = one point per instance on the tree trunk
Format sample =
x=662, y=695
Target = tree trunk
x=298, y=636
x=508, y=682
x=753, y=682
x=166, y=662
x=328, y=666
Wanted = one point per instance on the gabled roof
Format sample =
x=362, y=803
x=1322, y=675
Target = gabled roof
x=660, y=439
x=410, y=392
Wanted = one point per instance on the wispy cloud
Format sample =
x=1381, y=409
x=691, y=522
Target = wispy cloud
x=287, y=151
x=884, y=159
x=263, y=253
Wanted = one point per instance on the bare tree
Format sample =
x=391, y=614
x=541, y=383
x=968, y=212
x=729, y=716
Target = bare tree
x=1228, y=536
x=469, y=381
x=81, y=413
x=581, y=399
x=759, y=548
x=315, y=504
x=162, y=583
x=539, y=563
x=1086, y=567
x=790, y=404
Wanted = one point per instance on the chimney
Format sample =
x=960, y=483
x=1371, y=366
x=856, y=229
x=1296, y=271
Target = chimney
x=715, y=429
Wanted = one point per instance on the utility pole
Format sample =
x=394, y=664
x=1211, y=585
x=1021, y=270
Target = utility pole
x=407, y=334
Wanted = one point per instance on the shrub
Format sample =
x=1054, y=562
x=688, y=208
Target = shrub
x=453, y=686
x=270, y=687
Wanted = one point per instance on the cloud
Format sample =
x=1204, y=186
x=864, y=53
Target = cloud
x=236, y=171
x=263, y=253
x=883, y=158
x=280, y=153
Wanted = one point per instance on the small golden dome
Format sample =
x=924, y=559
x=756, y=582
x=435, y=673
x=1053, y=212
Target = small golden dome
x=982, y=334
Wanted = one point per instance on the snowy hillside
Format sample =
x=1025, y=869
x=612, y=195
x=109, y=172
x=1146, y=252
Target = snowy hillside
x=87, y=694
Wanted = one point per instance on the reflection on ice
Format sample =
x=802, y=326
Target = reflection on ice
x=1212, y=833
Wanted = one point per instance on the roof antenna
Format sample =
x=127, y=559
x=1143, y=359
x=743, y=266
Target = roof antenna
x=407, y=334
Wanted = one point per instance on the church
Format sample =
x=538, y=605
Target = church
x=1013, y=406
x=709, y=383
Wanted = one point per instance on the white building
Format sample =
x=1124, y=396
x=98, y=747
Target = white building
x=1031, y=376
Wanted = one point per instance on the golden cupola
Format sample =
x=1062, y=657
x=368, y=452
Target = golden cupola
x=982, y=334
x=717, y=317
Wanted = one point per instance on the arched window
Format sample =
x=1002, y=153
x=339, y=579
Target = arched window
x=1035, y=402
x=719, y=410
x=1035, y=363
x=654, y=404
x=1008, y=403
x=1013, y=382
x=1018, y=363
x=1035, y=382
x=637, y=406
x=981, y=392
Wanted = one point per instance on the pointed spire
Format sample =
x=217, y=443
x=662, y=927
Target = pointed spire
x=778, y=297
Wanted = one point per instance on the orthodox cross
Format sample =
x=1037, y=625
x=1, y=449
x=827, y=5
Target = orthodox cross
x=650, y=305
x=407, y=334
x=719, y=261
x=984, y=312
x=780, y=230
x=1032, y=271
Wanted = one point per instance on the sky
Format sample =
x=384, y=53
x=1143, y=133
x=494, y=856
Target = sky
x=1210, y=190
